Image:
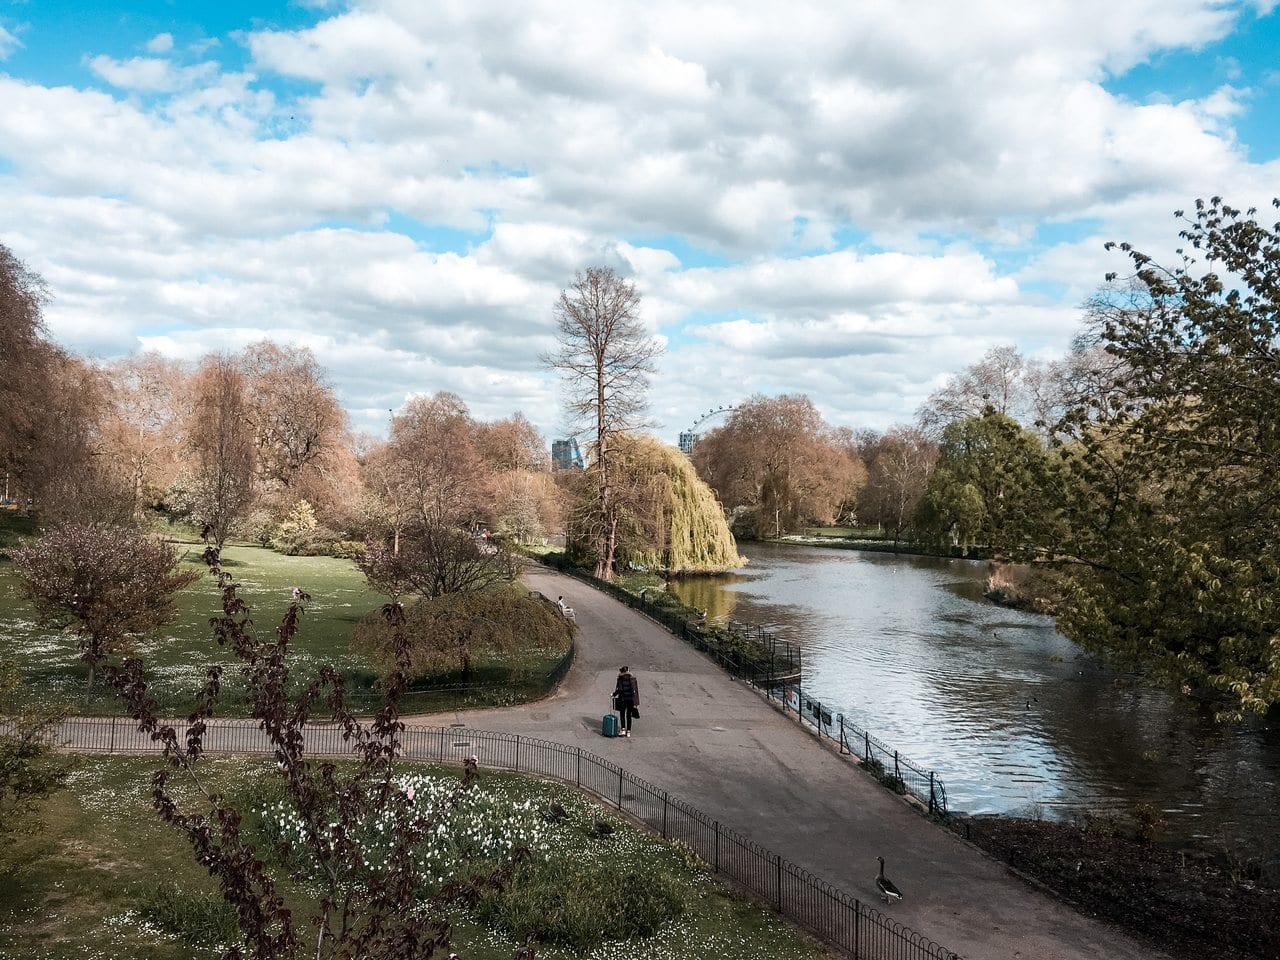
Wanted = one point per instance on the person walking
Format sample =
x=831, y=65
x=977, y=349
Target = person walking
x=626, y=700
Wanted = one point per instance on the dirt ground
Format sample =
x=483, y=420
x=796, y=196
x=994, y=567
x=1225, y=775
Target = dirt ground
x=1192, y=904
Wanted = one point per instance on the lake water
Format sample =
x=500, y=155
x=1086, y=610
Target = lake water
x=1010, y=714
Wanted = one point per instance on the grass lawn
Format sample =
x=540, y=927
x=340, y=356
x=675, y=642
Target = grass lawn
x=99, y=880
x=178, y=654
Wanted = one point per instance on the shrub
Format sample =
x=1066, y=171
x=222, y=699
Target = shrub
x=347, y=549
x=258, y=527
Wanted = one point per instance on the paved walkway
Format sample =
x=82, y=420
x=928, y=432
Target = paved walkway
x=717, y=744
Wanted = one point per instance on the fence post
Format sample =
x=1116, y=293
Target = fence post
x=840, y=717
x=517, y=766
x=113, y=734
x=665, y=797
x=717, y=857
x=777, y=859
x=866, y=745
x=931, y=800
x=619, y=788
x=857, y=929
x=578, y=770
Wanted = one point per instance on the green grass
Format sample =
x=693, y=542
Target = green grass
x=99, y=882
x=178, y=654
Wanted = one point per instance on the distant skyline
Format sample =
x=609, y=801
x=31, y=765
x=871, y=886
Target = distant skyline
x=851, y=203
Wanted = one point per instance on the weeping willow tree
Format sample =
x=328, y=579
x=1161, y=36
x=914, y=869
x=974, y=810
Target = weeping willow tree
x=668, y=518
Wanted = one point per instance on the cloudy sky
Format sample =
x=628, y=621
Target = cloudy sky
x=851, y=200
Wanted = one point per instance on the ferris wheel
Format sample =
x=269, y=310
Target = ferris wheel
x=689, y=437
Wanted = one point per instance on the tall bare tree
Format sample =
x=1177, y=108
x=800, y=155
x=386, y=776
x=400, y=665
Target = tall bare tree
x=142, y=432
x=296, y=419
x=999, y=381
x=899, y=465
x=221, y=438
x=604, y=356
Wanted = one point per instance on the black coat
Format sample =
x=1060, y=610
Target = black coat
x=626, y=692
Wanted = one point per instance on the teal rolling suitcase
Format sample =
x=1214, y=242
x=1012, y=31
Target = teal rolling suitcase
x=609, y=725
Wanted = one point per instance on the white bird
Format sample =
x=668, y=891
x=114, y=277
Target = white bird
x=885, y=885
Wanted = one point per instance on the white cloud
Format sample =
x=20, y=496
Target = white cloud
x=8, y=43
x=150, y=74
x=868, y=184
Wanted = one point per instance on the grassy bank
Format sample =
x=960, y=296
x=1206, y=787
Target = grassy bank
x=106, y=880
x=179, y=653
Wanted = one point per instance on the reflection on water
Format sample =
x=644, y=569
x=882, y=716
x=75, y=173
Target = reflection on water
x=709, y=594
x=1009, y=713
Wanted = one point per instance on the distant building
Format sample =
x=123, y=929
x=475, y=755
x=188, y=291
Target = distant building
x=565, y=455
x=687, y=439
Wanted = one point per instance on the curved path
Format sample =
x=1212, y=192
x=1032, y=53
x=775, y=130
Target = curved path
x=717, y=744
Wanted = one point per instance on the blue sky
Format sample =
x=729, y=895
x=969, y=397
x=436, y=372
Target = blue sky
x=851, y=203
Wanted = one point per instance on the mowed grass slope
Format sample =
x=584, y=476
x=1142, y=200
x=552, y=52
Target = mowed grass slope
x=178, y=654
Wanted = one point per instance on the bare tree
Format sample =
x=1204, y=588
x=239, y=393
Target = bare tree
x=605, y=357
x=436, y=560
x=777, y=456
x=899, y=465
x=221, y=438
x=513, y=444
x=141, y=434
x=51, y=410
x=998, y=382
x=65, y=466
x=390, y=505
x=296, y=419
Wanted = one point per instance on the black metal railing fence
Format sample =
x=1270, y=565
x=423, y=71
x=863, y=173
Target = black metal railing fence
x=847, y=923
x=747, y=651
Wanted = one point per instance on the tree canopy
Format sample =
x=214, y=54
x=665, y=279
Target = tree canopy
x=669, y=519
x=987, y=487
x=1175, y=495
x=109, y=582
x=777, y=457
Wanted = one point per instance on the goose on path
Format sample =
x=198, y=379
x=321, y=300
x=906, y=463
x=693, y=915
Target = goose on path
x=885, y=885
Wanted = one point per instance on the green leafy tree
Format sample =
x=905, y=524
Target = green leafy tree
x=1175, y=495
x=989, y=485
